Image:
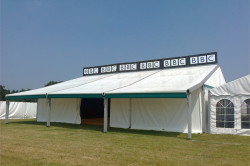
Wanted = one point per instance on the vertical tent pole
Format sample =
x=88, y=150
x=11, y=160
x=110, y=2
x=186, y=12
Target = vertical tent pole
x=189, y=116
x=105, y=123
x=209, y=113
x=7, y=111
x=204, y=115
x=49, y=111
x=200, y=109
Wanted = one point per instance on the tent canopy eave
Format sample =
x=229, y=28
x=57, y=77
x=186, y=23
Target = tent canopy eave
x=114, y=95
x=25, y=97
x=147, y=95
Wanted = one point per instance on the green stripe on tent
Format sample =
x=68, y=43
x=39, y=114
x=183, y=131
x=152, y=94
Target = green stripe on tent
x=75, y=96
x=147, y=95
x=208, y=86
x=126, y=95
x=25, y=97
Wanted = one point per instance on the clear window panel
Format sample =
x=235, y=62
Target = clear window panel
x=219, y=105
x=219, y=124
x=230, y=118
x=245, y=114
x=244, y=109
x=219, y=110
x=225, y=114
x=230, y=105
x=245, y=125
x=245, y=118
x=247, y=101
x=230, y=110
x=220, y=117
x=229, y=125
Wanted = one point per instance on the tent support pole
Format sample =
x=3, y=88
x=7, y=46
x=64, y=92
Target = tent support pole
x=209, y=113
x=7, y=112
x=204, y=115
x=49, y=111
x=189, y=116
x=105, y=122
x=200, y=108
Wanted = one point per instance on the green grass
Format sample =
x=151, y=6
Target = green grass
x=26, y=142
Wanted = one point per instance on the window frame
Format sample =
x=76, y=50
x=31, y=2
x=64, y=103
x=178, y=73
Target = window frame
x=225, y=117
x=247, y=114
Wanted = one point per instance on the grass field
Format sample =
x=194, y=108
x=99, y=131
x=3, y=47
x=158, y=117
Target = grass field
x=26, y=142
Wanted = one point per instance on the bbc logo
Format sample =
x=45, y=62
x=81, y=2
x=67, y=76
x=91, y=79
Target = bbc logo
x=202, y=59
x=150, y=65
x=175, y=62
x=91, y=71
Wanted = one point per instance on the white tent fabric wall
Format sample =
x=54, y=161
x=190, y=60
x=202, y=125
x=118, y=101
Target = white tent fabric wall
x=163, y=114
x=62, y=110
x=237, y=101
x=206, y=114
x=42, y=110
x=216, y=79
x=120, y=113
x=159, y=114
x=155, y=114
x=18, y=110
x=237, y=91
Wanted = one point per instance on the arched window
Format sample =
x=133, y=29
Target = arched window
x=225, y=114
x=245, y=114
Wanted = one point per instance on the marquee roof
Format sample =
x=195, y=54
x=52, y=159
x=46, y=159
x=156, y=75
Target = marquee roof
x=239, y=86
x=172, y=83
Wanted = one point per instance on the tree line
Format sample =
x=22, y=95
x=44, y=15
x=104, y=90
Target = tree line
x=4, y=92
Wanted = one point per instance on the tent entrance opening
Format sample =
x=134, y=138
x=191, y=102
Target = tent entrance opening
x=92, y=111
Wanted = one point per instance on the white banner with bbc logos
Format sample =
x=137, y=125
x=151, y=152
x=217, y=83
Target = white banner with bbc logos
x=186, y=61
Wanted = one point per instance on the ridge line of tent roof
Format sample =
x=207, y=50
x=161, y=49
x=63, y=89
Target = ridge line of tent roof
x=157, y=71
x=233, y=81
x=111, y=74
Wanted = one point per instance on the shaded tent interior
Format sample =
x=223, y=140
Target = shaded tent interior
x=91, y=111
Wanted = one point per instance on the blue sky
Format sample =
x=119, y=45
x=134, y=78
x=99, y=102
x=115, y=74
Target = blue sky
x=43, y=40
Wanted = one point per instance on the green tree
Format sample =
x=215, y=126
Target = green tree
x=14, y=91
x=52, y=83
x=3, y=92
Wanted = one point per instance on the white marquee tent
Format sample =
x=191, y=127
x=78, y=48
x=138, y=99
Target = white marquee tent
x=230, y=107
x=167, y=99
x=19, y=110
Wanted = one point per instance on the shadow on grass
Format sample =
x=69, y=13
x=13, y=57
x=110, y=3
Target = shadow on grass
x=100, y=128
